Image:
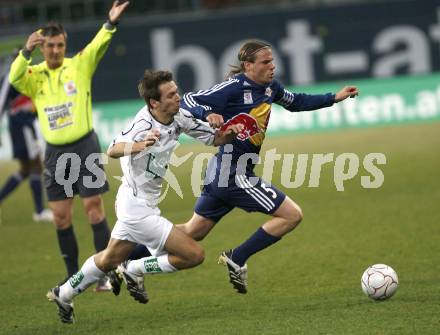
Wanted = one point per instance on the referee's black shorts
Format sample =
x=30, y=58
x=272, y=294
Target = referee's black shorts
x=74, y=169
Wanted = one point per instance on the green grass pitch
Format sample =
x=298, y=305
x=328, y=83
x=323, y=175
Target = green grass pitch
x=309, y=283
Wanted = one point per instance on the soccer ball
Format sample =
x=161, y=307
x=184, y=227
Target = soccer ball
x=379, y=282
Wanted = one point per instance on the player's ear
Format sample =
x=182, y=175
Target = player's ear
x=154, y=103
x=247, y=66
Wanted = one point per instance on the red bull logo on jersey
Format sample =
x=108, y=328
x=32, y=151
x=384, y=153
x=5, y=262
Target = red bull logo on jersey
x=250, y=125
x=255, y=124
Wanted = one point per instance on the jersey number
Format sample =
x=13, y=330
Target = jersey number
x=269, y=190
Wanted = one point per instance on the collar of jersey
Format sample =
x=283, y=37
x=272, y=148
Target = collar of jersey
x=44, y=67
x=243, y=77
x=152, y=116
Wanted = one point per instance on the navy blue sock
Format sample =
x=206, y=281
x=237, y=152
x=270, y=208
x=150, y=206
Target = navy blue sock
x=10, y=185
x=139, y=252
x=37, y=191
x=69, y=249
x=258, y=241
x=101, y=235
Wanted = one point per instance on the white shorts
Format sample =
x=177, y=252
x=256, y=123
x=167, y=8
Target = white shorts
x=139, y=223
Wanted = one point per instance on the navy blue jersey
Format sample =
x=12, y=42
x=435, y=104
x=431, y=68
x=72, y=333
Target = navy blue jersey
x=21, y=110
x=240, y=100
x=21, y=114
x=18, y=106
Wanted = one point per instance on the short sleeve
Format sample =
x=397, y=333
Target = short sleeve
x=135, y=132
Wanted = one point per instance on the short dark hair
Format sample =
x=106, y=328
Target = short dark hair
x=149, y=84
x=53, y=29
x=247, y=54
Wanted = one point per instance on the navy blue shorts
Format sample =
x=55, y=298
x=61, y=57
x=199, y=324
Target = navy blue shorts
x=24, y=137
x=248, y=192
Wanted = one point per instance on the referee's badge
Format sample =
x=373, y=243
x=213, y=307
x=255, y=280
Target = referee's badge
x=247, y=97
x=70, y=88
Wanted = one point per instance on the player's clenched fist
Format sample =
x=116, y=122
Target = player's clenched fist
x=234, y=129
x=152, y=137
x=215, y=120
x=345, y=92
x=149, y=139
x=229, y=134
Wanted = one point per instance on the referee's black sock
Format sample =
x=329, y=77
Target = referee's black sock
x=101, y=235
x=69, y=249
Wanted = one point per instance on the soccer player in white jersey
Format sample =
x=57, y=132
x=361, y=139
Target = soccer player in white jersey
x=145, y=148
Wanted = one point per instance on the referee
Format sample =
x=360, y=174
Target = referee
x=60, y=89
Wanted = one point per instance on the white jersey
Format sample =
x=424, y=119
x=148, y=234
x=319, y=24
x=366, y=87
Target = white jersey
x=144, y=172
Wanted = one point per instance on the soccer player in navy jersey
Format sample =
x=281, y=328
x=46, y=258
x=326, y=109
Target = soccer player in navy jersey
x=25, y=148
x=246, y=98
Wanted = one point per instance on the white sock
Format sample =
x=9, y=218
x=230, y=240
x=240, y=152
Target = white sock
x=150, y=265
x=80, y=281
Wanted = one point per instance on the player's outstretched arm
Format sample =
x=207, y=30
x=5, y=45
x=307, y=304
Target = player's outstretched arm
x=345, y=92
x=116, y=11
x=95, y=50
x=298, y=102
x=228, y=135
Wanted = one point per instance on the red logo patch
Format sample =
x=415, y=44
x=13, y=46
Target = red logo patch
x=250, y=126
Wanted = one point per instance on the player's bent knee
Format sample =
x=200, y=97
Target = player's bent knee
x=196, y=256
x=108, y=261
x=200, y=256
x=94, y=209
x=298, y=215
x=62, y=221
x=95, y=216
x=294, y=217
